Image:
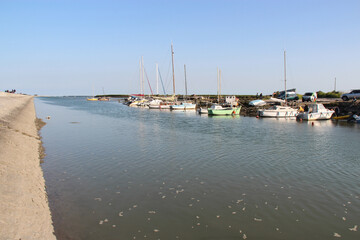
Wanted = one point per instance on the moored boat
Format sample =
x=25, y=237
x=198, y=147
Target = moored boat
x=183, y=106
x=217, y=109
x=203, y=111
x=155, y=104
x=345, y=117
x=315, y=111
x=103, y=99
x=257, y=102
x=278, y=111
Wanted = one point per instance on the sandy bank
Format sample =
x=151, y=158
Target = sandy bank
x=24, y=210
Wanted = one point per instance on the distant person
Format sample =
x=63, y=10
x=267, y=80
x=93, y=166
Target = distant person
x=257, y=95
x=260, y=95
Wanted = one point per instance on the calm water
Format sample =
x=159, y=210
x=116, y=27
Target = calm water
x=114, y=172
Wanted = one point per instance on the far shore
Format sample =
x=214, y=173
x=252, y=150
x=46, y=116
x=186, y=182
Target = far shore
x=24, y=209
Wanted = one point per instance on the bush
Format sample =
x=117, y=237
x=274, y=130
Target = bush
x=332, y=94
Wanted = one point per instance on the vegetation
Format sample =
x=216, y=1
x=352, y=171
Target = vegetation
x=332, y=94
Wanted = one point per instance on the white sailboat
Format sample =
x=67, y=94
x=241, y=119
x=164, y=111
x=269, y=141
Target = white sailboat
x=277, y=111
x=184, y=105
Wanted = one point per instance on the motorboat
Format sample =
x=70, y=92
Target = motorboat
x=278, y=111
x=315, y=111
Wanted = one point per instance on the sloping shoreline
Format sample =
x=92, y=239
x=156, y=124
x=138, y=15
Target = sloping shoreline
x=24, y=209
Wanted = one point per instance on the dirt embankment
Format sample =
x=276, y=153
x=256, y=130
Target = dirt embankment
x=24, y=210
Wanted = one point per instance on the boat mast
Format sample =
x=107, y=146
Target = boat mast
x=157, y=79
x=140, y=70
x=173, y=72
x=219, y=84
x=185, y=82
x=217, y=69
x=142, y=76
x=285, y=73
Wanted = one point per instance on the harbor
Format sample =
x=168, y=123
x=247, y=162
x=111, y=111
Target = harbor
x=147, y=173
x=192, y=120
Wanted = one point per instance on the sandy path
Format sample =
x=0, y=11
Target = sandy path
x=24, y=210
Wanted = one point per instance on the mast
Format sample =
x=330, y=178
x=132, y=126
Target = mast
x=173, y=72
x=142, y=76
x=185, y=82
x=218, y=85
x=140, y=70
x=285, y=73
x=157, y=79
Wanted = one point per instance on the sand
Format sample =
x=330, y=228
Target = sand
x=24, y=209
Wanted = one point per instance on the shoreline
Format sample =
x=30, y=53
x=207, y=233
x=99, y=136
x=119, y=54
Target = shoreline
x=24, y=208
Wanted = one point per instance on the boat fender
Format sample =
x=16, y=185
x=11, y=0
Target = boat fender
x=233, y=112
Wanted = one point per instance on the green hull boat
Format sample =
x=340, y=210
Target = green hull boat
x=219, y=110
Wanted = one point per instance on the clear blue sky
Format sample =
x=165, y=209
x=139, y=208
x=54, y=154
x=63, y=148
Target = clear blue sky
x=66, y=47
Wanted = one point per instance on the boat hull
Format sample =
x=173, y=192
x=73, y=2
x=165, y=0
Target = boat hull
x=225, y=111
x=341, y=117
x=187, y=106
x=277, y=114
x=203, y=111
x=154, y=106
x=315, y=116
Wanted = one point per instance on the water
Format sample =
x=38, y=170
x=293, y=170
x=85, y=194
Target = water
x=114, y=172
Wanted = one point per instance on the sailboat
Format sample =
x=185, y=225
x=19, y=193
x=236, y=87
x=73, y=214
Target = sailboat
x=217, y=109
x=277, y=111
x=93, y=98
x=184, y=105
x=169, y=101
x=103, y=98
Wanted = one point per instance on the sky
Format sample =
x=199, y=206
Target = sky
x=78, y=47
